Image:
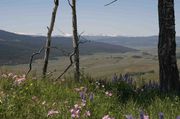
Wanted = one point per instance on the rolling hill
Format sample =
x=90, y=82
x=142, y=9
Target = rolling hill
x=132, y=42
x=17, y=48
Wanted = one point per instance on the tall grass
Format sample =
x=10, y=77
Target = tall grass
x=34, y=98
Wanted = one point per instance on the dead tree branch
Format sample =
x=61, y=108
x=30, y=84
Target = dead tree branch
x=111, y=2
x=31, y=59
x=84, y=39
x=49, y=34
x=71, y=56
x=69, y=3
x=67, y=68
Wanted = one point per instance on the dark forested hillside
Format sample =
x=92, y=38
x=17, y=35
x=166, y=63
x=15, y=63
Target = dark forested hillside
x=16, y=48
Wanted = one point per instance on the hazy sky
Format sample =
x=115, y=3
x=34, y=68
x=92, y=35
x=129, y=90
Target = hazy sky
x=125, y=17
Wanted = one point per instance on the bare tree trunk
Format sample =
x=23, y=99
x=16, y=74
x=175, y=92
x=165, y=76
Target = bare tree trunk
x=168, y=72
x=75, y=41
x=49, y=34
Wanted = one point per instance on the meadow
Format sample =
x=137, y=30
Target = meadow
x=99, y=65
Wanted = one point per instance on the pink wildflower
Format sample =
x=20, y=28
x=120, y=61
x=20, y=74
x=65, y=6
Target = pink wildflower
x=88, y=113
x=146, y=117
x=19, y=80
x=108, y=93
x=73, y=115
x=52, y=112
x=75, y=112
x=108, y=117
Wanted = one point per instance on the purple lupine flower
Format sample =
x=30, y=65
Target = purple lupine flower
x=178, y=117
x=129, y=117
x=161, y=115
x=91, y=97
x=114, y=78
x=130, y=81
x=82, y=95
x=141, y=115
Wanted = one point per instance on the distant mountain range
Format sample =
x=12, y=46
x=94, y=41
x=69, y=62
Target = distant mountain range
x=17, y=48
x=132, y=42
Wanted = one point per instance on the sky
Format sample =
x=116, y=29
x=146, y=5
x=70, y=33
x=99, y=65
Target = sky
x=123, y=18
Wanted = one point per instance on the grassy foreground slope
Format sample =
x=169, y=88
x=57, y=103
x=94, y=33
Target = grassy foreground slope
x=43, y=99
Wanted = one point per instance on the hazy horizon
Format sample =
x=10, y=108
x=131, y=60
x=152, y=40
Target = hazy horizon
x=70, y=35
